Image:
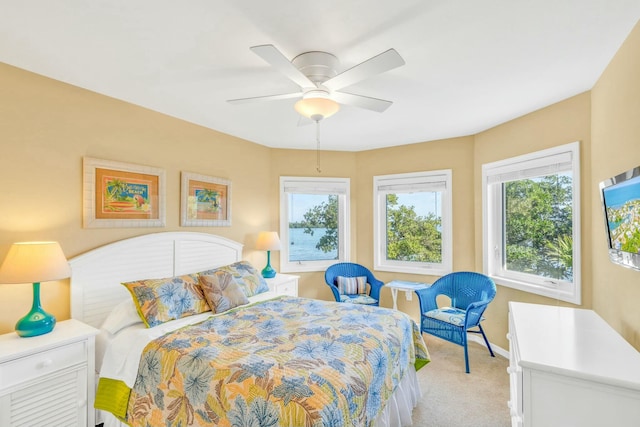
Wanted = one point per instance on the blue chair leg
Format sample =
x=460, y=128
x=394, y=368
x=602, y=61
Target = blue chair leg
x=466, y=354
x=486, y=341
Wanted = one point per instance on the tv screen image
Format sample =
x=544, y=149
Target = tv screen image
x=620, y=197
x=622, y=203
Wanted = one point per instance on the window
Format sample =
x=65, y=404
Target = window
x=412, y=222
x=314, y=223
x=531, y=222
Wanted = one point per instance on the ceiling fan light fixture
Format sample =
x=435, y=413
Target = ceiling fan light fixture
x=317, y=108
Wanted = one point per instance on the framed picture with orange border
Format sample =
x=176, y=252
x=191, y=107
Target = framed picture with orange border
x=117, y=194
x=205, y=201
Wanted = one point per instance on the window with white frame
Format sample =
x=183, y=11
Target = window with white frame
x=531, y=222
x=412, y=230
x=314, y=223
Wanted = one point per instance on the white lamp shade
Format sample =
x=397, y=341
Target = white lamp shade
x=268, y=241
x=29, y=262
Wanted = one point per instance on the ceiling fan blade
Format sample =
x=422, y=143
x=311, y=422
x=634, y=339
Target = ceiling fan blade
x=265, y=98
x=385, y=61
x=365, y=102
x=277, y=60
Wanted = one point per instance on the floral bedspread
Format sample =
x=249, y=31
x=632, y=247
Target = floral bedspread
x=283, y=362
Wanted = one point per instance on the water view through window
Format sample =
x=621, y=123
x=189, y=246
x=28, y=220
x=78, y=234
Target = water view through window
x=313, y=228
x=302, y=246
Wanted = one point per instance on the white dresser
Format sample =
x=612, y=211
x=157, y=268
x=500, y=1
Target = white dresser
x=284, y=284
x=48, y=380
x=569, y=368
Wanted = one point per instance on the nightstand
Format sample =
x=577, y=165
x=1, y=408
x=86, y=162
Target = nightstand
x=284, y=284
x=48, y=379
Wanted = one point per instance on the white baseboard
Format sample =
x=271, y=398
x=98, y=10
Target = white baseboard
x=496, y=349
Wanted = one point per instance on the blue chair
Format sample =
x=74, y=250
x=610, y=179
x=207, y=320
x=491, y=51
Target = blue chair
x=470, y=294
x=337, y=272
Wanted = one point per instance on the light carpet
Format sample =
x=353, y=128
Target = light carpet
x=453, y=398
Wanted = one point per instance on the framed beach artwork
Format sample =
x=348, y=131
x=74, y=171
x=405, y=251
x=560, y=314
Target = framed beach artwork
x=120, y=194
x=205, y=201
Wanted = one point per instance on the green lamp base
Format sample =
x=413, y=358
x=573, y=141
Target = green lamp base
x=268, y=272
x=37, y=321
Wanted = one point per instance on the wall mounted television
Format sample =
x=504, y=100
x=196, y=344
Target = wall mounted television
x=620, y=197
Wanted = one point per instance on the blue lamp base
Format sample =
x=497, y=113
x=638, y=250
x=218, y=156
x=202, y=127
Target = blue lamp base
x=37, y=321
x=268, y=272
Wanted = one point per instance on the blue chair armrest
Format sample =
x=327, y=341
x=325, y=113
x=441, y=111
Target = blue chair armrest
x=336, y=292
x=427, y=298
x=376, y=285
x=474, y=313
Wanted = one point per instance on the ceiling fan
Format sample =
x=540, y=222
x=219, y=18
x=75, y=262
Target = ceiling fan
x=320, y=83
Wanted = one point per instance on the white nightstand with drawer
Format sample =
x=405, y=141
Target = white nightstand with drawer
x=284, y=284
x=48, y=379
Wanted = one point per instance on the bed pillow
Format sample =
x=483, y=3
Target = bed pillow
x=245, y=275
x=221, y=291
x=352, y=285
x=122, y=315
x=162, y=300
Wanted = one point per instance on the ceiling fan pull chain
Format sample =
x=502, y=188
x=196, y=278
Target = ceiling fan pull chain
x=318, y=146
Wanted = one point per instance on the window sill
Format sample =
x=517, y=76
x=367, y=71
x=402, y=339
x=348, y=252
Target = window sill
x=308, y=266
x=426, y=271
x=557, y=293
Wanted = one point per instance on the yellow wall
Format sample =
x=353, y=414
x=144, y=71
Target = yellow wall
x=558, y=124
x=361, y=167
x=46, y=127
x=303, y=163
x=455, y=154
x=616, y=148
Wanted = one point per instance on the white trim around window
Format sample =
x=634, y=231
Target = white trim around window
x=564, y=158
x=429, y=181
x=339, y=187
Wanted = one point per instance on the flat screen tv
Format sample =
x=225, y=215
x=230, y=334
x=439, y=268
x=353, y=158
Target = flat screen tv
x=621, y=203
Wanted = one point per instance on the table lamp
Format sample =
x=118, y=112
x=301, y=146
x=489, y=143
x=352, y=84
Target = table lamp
x=34, y=262
x=268, y=241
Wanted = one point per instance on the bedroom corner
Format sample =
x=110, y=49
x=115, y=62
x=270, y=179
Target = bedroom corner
x=49, y=127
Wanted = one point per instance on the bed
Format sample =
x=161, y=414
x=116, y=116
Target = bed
x=268, y=361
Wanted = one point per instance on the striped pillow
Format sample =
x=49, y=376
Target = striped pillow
x=352, y=285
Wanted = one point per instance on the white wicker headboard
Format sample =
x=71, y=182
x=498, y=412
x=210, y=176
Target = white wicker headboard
x=97, y=274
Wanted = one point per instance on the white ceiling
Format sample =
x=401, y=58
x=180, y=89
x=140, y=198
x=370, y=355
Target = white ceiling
x=470, y=64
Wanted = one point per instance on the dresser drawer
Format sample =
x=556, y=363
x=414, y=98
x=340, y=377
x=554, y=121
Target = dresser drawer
x=284, y=284
x=288, y=288
x=36, y=365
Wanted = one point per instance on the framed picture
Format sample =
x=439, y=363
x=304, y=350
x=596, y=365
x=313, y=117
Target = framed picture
x=206, y=201
x=122, y=195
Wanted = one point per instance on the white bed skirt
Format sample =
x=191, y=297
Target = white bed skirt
x=397, y=413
